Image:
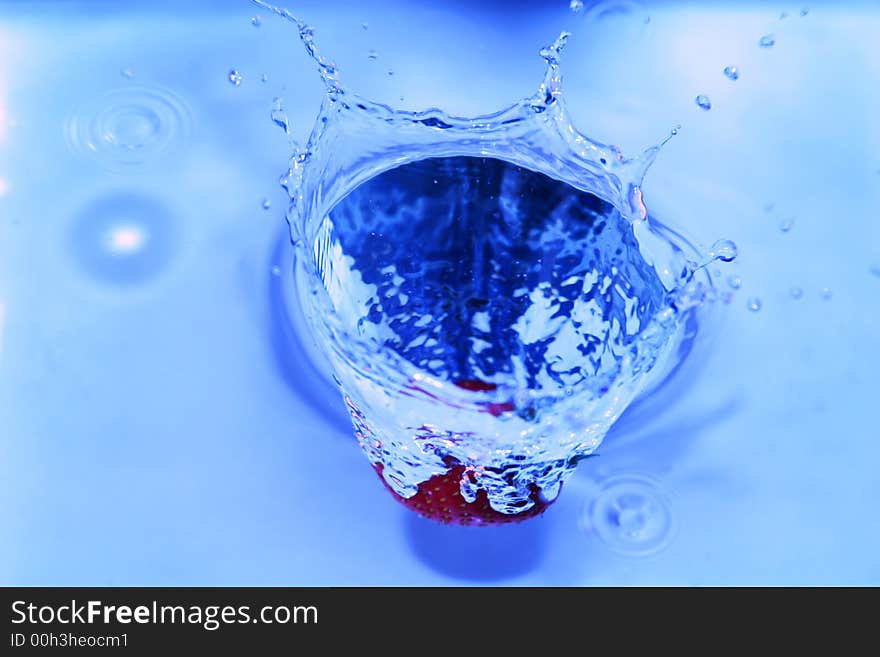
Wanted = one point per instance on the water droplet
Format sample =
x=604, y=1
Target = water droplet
x=754, y=304
x=276, y=270
x=769, y=207
x=576, y=6
x=264, y=77
x=731, y=72
x=767, y=41
x=390, y=72
x=279, y=116
x=805, y=11
x=875, y=270
x=724, y=250
x=675, y=130
x=630, y=515
x=129, y=128
x=796, y=293
x=256, y=21
x=786, y=225
x=783, y=15
x=127, y=73
x=365, y=26
x=825, y=293
x=234, y=77
x=266, y=204
x=123, y=239
x=703, y=102
x=735, y=282
x=373, y=54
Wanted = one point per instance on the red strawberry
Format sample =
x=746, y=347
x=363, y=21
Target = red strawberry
x=493, y=408
x=439, y=498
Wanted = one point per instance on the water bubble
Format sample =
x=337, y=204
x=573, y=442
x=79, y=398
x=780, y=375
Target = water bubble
x=576, y=6
x=754, y=304
x=786, y=225
x=735, y=282
x=767, y=41
x=796, y=292
x=373, y=54
x=703, y=102
x=129, y=128
x=825, y=293
x=724, y=250
x=279, y=116
x=234, y=77
x=256, y=21
x=266, y=204
x=127, y=73
x=731, y=72
x=123, y=239
x=631, y=515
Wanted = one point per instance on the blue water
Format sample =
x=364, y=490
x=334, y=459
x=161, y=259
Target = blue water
x=160, y=423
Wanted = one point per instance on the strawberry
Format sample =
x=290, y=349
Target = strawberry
x=493, y=408
x=440, y=499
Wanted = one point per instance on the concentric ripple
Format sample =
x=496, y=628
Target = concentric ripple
x=130, y=128
x=631, y=515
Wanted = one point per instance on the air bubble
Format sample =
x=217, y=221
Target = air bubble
x=754, y=304
x=631, y=515
x=724, y=250
x=731, y=72
x=703, y=102
x=234, y=77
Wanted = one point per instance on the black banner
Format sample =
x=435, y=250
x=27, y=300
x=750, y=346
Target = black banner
x=245, y=620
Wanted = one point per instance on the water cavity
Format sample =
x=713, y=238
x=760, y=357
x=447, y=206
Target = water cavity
x=489, y=291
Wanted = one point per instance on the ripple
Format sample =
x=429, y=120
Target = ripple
x=631, y=515
x=123, y=238
x=130, y=128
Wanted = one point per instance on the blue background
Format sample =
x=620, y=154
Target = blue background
x=160, y=423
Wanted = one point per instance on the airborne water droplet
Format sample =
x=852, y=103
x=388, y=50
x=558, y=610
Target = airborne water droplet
x=796, y=293
x=267, y=204
x=256, y=21
x=373, y=54
x=234, y=77
x=805, y=11
x=735, y=282
x=731, y=72
x=576, y=6
x=127, y=73
x=703, y=102
x=724, y=250
x=825, y=293
x=786, y=225
x=767, y=41
x=279, y=116
x=754, y=304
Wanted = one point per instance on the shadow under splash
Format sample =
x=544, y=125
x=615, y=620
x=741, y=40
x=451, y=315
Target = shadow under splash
x=478, y=554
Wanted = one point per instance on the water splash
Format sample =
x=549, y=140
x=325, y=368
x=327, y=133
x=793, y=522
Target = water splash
x=490, y=290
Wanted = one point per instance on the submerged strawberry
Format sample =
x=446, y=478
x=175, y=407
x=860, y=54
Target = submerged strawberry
x=493, y=408
x=439, y=498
